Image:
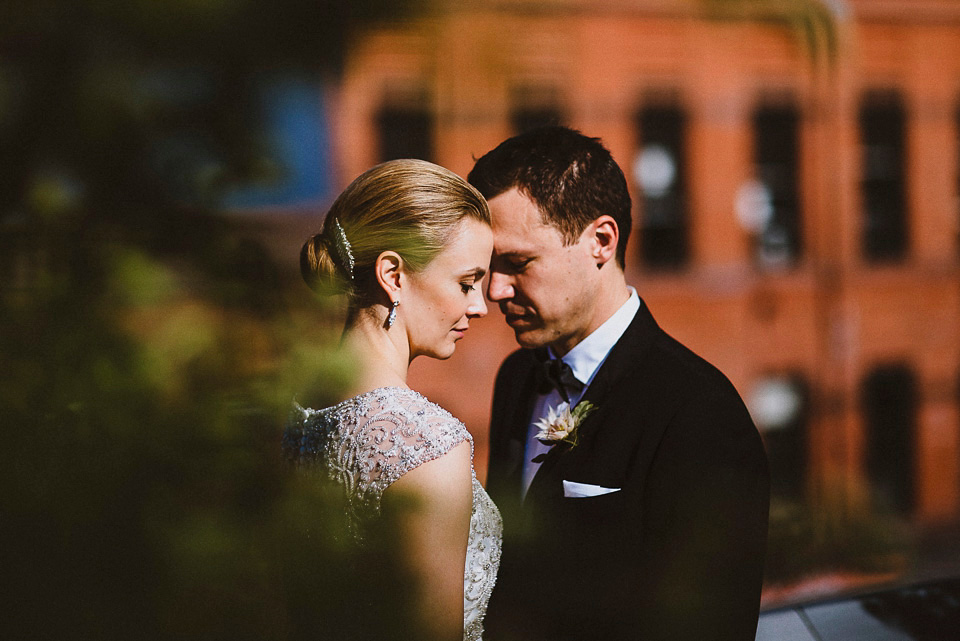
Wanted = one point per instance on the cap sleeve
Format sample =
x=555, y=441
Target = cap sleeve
x=368, y=442
x=398, y=437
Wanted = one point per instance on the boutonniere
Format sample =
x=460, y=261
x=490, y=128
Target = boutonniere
x=561, y=424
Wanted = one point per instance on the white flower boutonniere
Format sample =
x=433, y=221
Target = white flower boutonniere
x=561, y=423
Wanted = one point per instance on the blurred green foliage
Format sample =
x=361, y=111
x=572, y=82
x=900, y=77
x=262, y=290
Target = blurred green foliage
x=150, y=349
x=834, y=537
x=815, y=24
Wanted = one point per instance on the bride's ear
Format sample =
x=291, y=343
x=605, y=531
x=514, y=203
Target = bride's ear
x=390, y=275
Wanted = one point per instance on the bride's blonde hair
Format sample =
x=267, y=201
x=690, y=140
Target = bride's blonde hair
x=408, y=206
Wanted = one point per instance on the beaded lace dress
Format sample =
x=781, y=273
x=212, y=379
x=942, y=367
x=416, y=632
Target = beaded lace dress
x=369, y=441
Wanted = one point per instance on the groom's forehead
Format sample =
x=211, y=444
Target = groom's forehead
x=514, y=216
x=514, y=205
x=524, y=240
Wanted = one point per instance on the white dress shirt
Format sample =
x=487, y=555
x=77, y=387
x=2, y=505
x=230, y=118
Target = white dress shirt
x=584, y=359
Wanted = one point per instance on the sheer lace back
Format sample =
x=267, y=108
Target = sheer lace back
x=369, y=441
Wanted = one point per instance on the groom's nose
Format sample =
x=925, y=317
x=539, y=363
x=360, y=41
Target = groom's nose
x=500, y=287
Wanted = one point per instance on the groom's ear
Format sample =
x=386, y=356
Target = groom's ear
x=389, y=272
x=604, y=236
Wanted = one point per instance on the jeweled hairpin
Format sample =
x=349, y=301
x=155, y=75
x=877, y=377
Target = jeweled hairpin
x=344, y=251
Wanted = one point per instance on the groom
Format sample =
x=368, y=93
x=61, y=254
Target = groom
x=649, y=519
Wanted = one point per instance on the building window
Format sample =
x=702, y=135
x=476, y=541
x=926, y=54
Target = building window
x=405, y=129
x=533, y=107
x=889, y=402
x=779, y=406
x=659, y=172
x=883, y=177
x=296, y=146
x=774, y=214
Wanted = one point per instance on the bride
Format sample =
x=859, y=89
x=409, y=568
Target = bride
x=408, y=242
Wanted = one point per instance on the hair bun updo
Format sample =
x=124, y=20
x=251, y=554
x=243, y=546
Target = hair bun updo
x=319, y=269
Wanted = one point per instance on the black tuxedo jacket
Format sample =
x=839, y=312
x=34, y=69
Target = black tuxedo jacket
x=677, y=553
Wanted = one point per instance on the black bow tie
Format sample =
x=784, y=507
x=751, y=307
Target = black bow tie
x=559, y=375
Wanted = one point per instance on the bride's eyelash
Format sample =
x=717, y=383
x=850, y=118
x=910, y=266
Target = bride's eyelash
x=467, y=287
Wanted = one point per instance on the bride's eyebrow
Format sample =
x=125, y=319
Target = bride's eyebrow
x=477, y=273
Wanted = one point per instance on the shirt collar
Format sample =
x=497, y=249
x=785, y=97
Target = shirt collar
x=588, y=355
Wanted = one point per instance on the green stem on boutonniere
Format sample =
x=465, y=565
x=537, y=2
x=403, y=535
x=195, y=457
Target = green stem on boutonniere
x=579, y=413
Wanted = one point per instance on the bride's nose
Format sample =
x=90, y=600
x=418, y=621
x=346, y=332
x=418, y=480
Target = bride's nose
x=478, y=306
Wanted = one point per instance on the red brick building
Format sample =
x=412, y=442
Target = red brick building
x=796, y=202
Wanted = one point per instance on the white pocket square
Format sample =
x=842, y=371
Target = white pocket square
x=574, y=490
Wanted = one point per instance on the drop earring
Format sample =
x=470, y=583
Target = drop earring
x=392, y=316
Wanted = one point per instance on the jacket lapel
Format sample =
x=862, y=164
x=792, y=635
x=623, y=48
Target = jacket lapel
x=626, y=355
x=517, y=419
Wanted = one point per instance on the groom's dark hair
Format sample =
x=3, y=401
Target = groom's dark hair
x=571, y=178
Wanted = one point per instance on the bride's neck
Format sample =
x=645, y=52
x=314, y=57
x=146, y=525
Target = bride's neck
x=382, y=356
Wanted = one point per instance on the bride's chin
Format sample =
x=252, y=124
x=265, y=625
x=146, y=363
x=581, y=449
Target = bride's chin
x=443, y=353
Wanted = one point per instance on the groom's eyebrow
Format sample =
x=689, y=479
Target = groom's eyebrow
x=512, y=254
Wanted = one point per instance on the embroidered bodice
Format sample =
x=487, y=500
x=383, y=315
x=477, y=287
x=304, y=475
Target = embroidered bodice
x=369, y=441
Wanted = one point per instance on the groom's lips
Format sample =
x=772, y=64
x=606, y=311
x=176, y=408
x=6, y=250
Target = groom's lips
x=515, y=319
